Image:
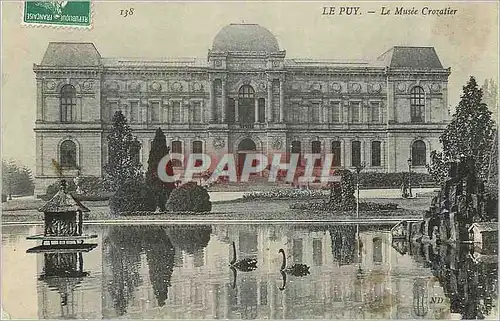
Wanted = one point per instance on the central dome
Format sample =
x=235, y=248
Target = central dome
x=245, y=37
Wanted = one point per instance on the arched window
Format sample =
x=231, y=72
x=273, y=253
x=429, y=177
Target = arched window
x=376, y=161
x=356, y=153
x=337, y=153
x=316, y=149
x=246, y=91
x=417, y=104
x=246, y=105
x=418, y=153
x=68, y=103
x=68, y=154
x=176, y=149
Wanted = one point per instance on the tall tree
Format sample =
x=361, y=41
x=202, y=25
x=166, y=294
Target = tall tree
x=490, y=97
x=470, y=133
x=16, y=179
x=122, y=161
x=161, y=189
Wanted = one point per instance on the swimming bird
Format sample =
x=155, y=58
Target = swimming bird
x=244, y=265
x=297, y=269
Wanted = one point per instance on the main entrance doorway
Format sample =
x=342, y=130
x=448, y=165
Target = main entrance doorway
x=244, y=147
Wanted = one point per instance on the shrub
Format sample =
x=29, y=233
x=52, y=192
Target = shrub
x=4, y=198
x=190, y=238
x=133, y=195
x=342, y=193
x=189, y=197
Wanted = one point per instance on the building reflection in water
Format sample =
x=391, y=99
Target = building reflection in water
x=179, y=272
x=468, y=278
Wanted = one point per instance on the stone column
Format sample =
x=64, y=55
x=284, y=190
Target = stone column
x=324, y=113
x=212, y=101
x=269, y=105
x=427, y=107
x=256, y=110
x=444, y=103
x=342, y=153
x=224, y=101
x=282, y=102
x=363, y=151
x=236, y=110
x=39, y=100
x=390, y=101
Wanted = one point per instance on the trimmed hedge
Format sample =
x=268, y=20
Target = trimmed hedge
x=189, y=197
x=392, y=180
x=133, y=195
x=363, y=206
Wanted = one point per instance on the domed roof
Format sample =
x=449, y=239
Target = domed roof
x=245, y=37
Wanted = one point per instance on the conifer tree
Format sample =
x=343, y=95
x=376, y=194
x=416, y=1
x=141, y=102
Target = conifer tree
x=470, y=134
x=160, y=189
x=122, y=147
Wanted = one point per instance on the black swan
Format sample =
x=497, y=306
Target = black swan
x=244, y=265
x=297, y=269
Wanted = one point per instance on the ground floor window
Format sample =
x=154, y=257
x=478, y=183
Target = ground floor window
x=376, y=153
x=418, y=153
x=356, y=153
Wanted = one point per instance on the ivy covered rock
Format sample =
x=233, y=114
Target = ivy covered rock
x=132, y=195
x=189, y=197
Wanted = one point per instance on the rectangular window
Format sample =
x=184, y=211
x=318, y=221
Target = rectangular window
x=356, y=153
x=196, y=106
x=176, y=112
x=335, y=112
x=305, y=114
x=263, y=293
x=296, y=114
x=155, y=111
x=134, y=111
x=355, y=112
x=297, y=250
x=315, y=113
x=317, y=252
x=376, y=154
x=375, y=112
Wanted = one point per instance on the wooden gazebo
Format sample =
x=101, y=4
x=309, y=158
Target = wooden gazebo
x=63, y=223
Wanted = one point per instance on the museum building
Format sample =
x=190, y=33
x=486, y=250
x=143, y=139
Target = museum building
x=246, y=96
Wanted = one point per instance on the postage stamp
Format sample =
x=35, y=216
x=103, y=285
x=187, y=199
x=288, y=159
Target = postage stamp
x=58, y=13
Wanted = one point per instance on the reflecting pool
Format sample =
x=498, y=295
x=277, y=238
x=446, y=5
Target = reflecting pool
x=183, y=272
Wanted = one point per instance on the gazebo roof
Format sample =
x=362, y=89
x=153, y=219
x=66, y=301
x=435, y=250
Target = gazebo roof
x=63, y=202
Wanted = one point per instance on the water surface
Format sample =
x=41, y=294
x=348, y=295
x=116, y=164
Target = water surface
x=182, y=272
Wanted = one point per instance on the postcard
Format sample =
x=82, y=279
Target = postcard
x=249, y=160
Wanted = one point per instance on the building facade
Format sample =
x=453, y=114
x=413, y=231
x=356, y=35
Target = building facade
x=245, y=96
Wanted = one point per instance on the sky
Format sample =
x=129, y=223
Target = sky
x=467, y=42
